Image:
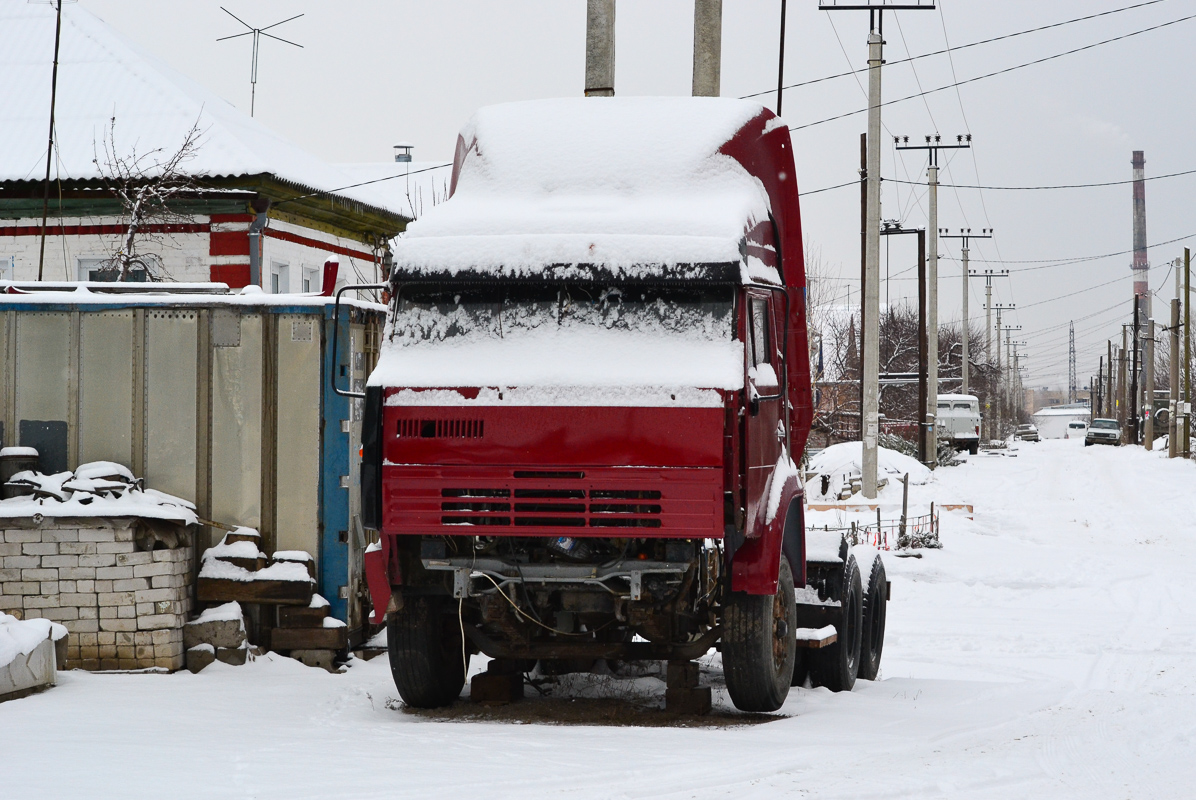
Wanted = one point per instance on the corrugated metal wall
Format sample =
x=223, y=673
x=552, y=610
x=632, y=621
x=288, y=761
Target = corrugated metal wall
x=226, y=405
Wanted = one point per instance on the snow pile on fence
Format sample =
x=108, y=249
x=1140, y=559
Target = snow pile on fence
x=841, y=462
x=578, y=182
x=96, y=489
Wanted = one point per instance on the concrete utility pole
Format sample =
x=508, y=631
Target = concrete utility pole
x=1134, y=407
x=933, y=145
x=1173, y=406
x=1121, y=383
x=1072, y=394
x=1187, y=437
x=966, y=235
x=1110, y=397
x=870, y=306
x=708, y=47
x=1148, y=407
x=600, y=48
x=999, y=308
x=1096, y=395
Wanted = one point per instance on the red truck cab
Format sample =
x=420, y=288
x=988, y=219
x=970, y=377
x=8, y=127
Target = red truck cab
x=580, y=434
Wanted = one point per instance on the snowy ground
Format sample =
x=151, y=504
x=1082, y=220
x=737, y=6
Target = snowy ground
x=1046, y=651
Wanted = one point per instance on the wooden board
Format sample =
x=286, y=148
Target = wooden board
x=309, y=638
x=290, y=593
x=301, y=617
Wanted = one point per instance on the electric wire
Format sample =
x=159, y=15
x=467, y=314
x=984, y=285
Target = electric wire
x=950, y=49
x=1003, y=71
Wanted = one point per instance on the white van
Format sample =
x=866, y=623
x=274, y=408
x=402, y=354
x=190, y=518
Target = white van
x=958, y=421
x=1076, y=429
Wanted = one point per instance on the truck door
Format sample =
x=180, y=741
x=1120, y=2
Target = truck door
x=764, y=428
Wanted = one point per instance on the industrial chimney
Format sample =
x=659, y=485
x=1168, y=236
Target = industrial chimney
x=600, y=48
x=708, y=47
x=1141, y=266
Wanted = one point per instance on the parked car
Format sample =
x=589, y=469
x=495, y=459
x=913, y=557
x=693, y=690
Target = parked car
x=1075, y=430
x=1027, y=433
x=1103, y=431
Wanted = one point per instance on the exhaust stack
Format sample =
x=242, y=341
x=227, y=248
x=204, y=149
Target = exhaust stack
x=708, y=47
x=600, y=48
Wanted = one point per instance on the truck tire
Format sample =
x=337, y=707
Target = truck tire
x=759, y=645
x=872, y=633
x=974, y=448
x=836, y=666
x=424, y=644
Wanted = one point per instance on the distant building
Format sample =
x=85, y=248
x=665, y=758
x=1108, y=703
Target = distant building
x=312, y=209
x=1037, y=399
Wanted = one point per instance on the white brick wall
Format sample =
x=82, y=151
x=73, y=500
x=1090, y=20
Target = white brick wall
x=123, y=609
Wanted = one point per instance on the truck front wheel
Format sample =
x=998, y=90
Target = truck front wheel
x=426, y=659
x=759, y=646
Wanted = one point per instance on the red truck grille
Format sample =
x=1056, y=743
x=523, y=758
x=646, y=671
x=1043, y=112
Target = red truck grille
x=547, y=508
x=684, y=502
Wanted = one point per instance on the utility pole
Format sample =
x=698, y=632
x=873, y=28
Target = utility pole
x=932, y=146
x=966, y=235
x=1007, y=390
x=895, y=229
x=1135, y=429
x=1121, y=382
x=870, y=291
x=1187, y=438
x=1095, y=397
x=41, y=258
x=1110, y=397
x=1173, y=404
x=1071, y=363
x=781, y=62
x=1148, y=406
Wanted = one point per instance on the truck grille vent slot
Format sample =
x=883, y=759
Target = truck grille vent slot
x=550, y=508
x=441, y=428
x=532, y=474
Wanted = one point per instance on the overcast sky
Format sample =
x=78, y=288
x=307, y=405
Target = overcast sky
x=372, y=73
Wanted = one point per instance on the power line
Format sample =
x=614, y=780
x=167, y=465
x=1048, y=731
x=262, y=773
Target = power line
x=1042, y=60
x=950, y=49
x=1059, y=186
x=1063, y=262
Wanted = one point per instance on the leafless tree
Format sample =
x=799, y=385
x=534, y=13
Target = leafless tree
x=146, y=185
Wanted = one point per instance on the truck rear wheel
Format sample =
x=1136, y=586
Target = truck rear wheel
x=836, y=666
x=872, y=635
x=759, y=646
x=426, y=661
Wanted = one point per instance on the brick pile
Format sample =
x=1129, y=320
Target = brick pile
x=123, y=608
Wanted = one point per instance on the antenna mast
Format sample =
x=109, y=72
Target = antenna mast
x=257, y=33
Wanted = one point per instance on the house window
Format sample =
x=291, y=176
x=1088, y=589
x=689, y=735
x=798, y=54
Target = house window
x=311, y=279
x=280, y=278
x=93, y=269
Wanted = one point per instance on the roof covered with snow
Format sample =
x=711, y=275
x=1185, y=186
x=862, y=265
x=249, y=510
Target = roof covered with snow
x=620, y=183
x=101, y=76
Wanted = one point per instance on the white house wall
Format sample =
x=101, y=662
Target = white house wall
x=215, y=248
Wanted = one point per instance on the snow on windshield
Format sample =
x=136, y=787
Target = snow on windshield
x=567, y=336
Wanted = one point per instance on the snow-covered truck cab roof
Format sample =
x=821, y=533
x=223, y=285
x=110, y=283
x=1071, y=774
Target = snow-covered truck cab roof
x=580, y=260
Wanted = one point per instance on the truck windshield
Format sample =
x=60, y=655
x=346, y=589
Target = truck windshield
x=1107, y=424
x=437, y=313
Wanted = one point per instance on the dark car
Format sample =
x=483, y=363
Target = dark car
x=1103, y=431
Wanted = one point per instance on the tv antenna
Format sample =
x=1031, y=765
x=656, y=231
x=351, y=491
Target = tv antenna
x=257, y=34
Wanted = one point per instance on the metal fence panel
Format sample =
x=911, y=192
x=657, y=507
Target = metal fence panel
x=237, y=426
x=170, y=379
x=106, y=387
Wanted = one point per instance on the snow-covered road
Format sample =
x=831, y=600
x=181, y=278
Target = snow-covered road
x=1048, y=651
